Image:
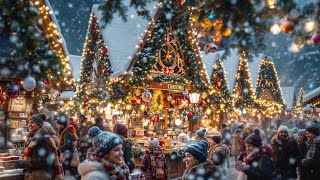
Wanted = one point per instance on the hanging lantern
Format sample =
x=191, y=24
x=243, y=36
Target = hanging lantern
x=275, y=29
x=316, y=39
x=271, y=3
x=194, y=97
x=211, y=16
x=287, y=26
x=29, y=83
x=169, y=98
x=40, y=85
x=13, y=91
x=200, y=37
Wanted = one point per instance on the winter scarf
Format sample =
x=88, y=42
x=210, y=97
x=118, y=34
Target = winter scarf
x=265, y=149
x=70, y=129
x=312, y=144
x=57, y=165
x=157, y=159
x=120, y=172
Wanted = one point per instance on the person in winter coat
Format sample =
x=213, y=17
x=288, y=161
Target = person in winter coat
x=122, y=131
x=84, y=140
x=105, y=160
x=285, y=151
x=244, y=134
x=218, y=153
x=236, y=143
x=99, y=124
x=39, y=146
x=301, y=140
x=311, y=162
x=197, y=165
x=200, y=135
x=67, y=143
x=154, y=165
x=255, y=163
x=271, y=132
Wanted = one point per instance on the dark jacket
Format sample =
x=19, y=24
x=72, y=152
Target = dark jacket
x=311, y=162
x=226, y=136
x=128, y=153
x=211, y=171
x=285, y=153
x=259, y=165
x=67, y=143
x=302, y=147
x=101, y=127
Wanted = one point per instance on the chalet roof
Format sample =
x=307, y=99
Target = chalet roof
x=208, y=60
x=75, y=63
x=254, y=69
x=122, y=38
x=311, y=95
x=289, y=96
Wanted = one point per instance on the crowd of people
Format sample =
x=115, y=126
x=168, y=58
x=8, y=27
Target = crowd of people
x=91, y=151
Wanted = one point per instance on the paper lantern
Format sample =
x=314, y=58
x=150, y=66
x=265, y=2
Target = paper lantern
x=29, y=83
x=13, y=91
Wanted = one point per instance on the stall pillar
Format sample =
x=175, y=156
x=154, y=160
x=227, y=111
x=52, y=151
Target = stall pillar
x=166, y=120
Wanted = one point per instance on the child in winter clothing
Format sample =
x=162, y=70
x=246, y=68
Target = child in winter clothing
x=196, y=164
x=106, y=158
x=154, y=164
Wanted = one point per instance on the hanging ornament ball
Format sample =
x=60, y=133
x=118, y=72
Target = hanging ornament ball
x=211, y=16
x=204, y=95
x=217, y=38
x=205, y=116
x=184, y=113
x=210, y=48
x=200, y=37
x=61, y=103
x=189, y=114
x=151, y=104
x=227, y=32
x=316, y=39
x=169, y=98
x=29, y=83
x=173, y=102
x=146, y=96
x=199, y=117
x=133, y=100
x=146, y=113
x=2, y=98
x=287, y=26
x=185, y=92
x=200, y=102
x=13, y=91
x=192, y=119
x=40, y=85
x=47, y=81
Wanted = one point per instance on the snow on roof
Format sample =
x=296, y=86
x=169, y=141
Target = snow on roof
x=209, y=60
x=75, y=64
x=288, y=95
x=312, y=94
x=121, y=37
x=54, y=19
x=254, y=69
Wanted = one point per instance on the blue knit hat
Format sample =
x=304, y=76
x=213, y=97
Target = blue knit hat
x=103, y=141
x=199, y=150
x=201, y=133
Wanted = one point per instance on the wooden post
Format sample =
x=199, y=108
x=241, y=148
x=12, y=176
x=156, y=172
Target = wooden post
x=166, y=120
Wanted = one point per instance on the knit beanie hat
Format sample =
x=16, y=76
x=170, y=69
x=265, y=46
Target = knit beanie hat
x=120, y=129
x=254, y=138
x=283, y=128
x=153, y=142
x=216, y=139
x=199, y=150
x=103, y=141
x=201, y=133
x=302, y=132
x=295, y=130
x=39, y=119
x=313, y=128
x=63, y=120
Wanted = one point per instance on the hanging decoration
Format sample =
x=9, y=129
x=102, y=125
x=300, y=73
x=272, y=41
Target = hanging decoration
x=157, y=100
x=217, y=38
x=217, y=83
x=287, y=26
x=47, y=82
x=137, y=92
x=211, y=16
x=29, y=83
x=169, y=98
x=204, y=95
x=210, y=48
x=13, y=91
x=40, y=85
x=146, y=96
x=201, y=37
x=316, y=38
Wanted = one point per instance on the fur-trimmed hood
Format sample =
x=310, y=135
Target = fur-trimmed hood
x=92, y=170
x=275, y=139
x=204, y=170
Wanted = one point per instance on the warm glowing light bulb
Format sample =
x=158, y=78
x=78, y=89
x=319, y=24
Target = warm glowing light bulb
x=309, y=26
x=275, y=29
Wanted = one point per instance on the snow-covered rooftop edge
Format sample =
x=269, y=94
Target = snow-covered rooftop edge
x=288, y=95
x=75, y=63
x=311, y=95
x=122, y=38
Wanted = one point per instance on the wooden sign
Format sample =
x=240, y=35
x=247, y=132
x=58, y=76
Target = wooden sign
x=18, y=104
x=165, y=86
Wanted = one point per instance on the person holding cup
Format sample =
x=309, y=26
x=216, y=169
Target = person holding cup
x=256, y=162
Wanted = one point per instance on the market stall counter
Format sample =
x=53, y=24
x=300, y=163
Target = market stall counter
x=8, y=167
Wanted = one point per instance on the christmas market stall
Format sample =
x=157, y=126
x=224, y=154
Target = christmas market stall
x=35, y=63
x=290, y=98
x=311, y=103
x=150, y=72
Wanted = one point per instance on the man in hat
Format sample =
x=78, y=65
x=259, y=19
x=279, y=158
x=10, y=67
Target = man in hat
x=285, y=150
x=311, y=162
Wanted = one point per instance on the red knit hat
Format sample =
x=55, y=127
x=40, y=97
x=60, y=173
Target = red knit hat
x=120, y=129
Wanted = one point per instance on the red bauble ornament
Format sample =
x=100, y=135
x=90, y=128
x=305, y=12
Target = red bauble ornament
x=18, y=81
x=104, y=51
x=13, y=91
x=200, y=102
x=287, y=26
x=47, y=81
x=210, y=48
x=189, y=115
x=316, y=39
x=217, y=83
x=86, y=100
x=217, y=38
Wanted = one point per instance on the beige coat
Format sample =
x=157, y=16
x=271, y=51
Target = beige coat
x=235, y=143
